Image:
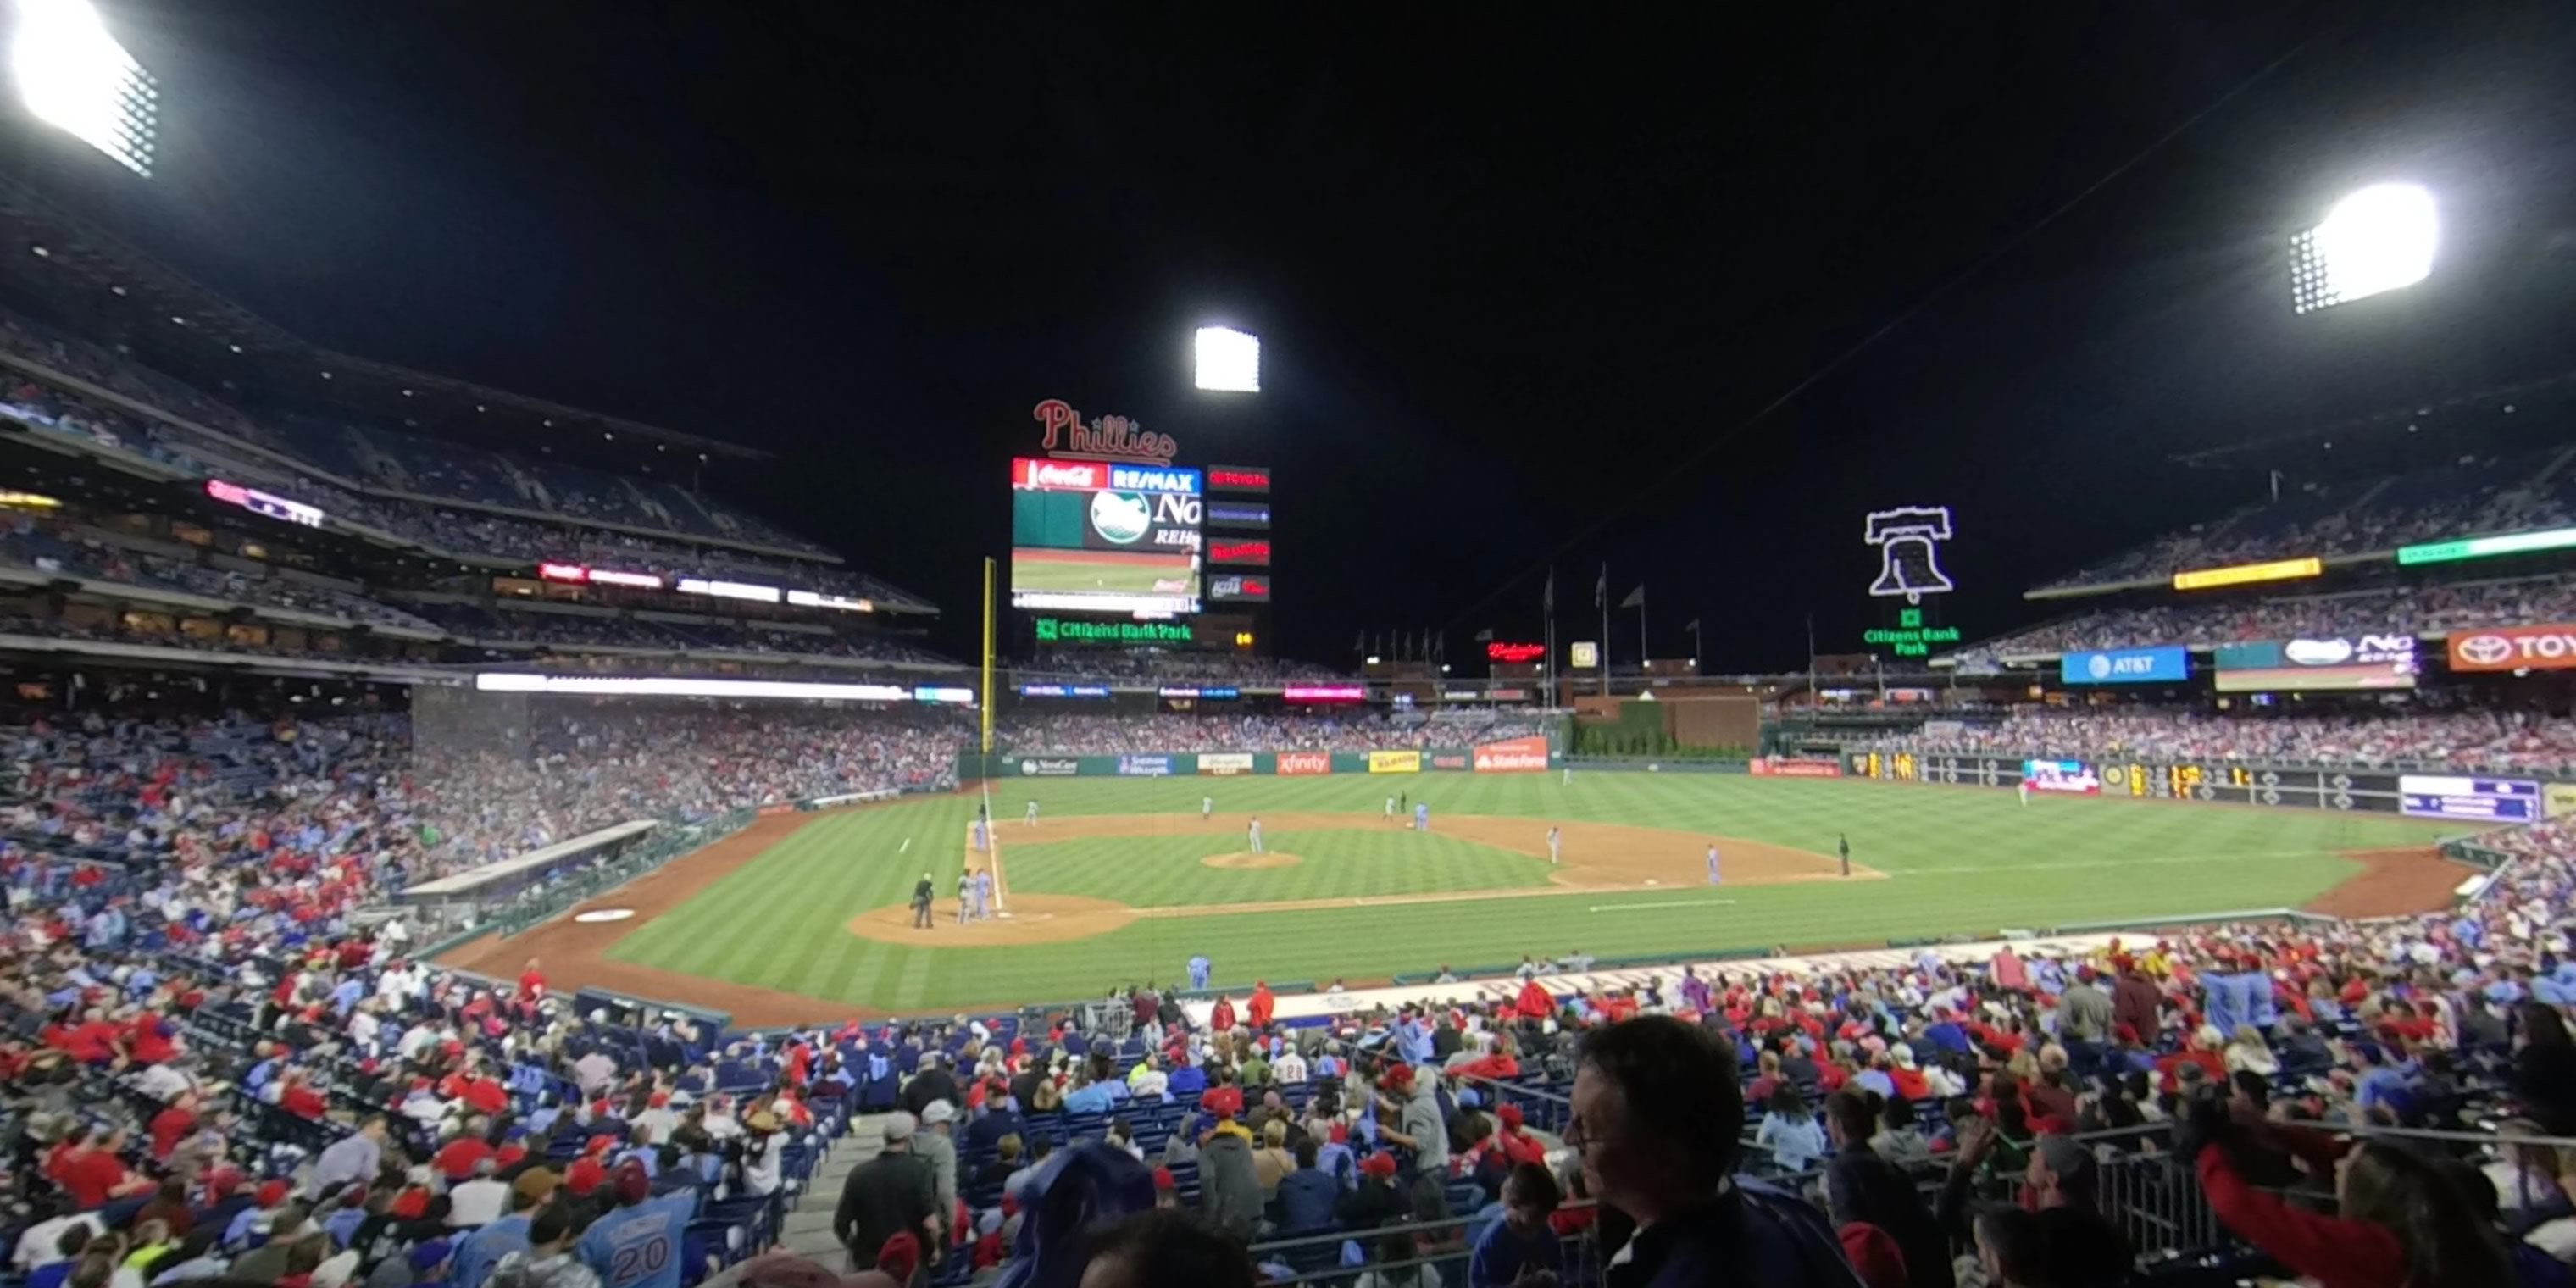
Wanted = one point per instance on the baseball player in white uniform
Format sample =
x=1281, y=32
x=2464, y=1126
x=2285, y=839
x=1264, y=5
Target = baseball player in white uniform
x=1207, y=808
x=1555, y=846
x=1030, y=819
x=1256, y=837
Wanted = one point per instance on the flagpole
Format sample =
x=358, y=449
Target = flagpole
x=1601, y=596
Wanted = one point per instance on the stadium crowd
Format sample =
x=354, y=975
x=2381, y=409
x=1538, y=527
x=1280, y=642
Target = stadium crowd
x=2360, y=737
x=1075, y=733
x=2424, y=610
x=218, y=1079
x=2474, y=496
x=1170, y=667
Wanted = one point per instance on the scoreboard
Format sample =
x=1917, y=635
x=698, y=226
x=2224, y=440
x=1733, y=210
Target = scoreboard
x=2200, y=780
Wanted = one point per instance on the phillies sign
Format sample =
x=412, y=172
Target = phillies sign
x=2515, y=648
x=1105, y=436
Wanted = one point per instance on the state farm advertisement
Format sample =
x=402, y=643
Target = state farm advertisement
x=1516, y=756
x=2515, y=648
x=1767, y=768
x=1305, y=762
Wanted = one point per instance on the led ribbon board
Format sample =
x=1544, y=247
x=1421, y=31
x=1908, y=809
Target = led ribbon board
x=2247, y=574
x=2512, y=543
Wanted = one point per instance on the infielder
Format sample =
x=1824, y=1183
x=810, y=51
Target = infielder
x=1256, y=837
x=965, y=895
x=1713, y=878
x=1555, y=846
x=1207, y=808
x=1422, y=817
x=1030, y=819
x=1842, y=844
x=983, y=893
x=1390, y=809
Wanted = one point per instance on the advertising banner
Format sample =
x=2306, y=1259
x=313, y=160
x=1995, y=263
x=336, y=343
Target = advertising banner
x=2125, y=666
x=1144, y=766
x=1237, y=514
x=2070, y=776
x=2514, y=648
x=2486, y=800
x=2560, y=798
x=1450, y=760
x=1049, y=767
x=1305, y=762
x=1784, y=768
x=1395, y=762
x=2205, y=780
x=2291, y=679
x=1225, y=763
x=1513, y=756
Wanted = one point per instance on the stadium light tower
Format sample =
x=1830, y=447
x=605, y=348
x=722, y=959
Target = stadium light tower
x=2378, y=239
x=1229, y=361
x=74, y=76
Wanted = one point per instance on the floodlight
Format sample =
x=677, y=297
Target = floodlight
x=73, y=75
x=2377, y=239
x=1229, y=360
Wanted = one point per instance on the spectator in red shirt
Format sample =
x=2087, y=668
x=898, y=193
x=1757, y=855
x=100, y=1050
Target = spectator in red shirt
x=149, y=1039
x=1262, y=1005
x=457, y=1158
x=173, y=1124
x=92, y=1174
x=1221, y=1016
x=2400, y=1222
x=93, y=1041
x=1534, y=1002
x=296, y=1095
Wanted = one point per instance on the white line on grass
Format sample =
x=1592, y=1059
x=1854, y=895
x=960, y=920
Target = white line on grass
x=907, y=846
x=1665, y=903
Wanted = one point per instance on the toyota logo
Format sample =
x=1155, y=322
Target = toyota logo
x=2485, y=650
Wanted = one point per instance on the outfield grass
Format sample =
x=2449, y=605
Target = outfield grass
x=1959, y=860
x=1164, y=871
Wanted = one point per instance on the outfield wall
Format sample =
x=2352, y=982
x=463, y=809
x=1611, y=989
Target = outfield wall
x=1515, y=756
x=2356, y=790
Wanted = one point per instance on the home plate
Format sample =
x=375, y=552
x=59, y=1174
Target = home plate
x=1666, y=903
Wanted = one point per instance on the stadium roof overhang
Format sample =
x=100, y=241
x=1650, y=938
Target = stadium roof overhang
x=177, y=324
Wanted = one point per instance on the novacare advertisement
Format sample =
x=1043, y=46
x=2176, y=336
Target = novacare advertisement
x=1225, y=764
x=1395, y=762
x=1050, y=767
x=1516, y=756
x=1292, y=763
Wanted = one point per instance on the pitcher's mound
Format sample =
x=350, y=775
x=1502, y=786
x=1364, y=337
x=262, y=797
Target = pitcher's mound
x=1034, y=919
x=1240, y=859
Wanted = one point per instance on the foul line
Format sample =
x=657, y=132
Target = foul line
x=1661, y=903
x=907, y=846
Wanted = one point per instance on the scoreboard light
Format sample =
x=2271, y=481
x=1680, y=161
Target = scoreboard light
x=2376, y=240
x=1229, y=361
x=74, y=76
x=2487, y=547
x=2246, y=574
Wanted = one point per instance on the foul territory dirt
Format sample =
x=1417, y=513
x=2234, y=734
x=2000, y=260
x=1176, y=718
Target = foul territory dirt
x=2393, y=883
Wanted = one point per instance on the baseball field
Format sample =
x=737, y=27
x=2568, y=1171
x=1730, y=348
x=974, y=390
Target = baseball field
x=803, y=917
x=1106, y=571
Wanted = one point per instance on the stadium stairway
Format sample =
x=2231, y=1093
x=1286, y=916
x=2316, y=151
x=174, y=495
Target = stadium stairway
x=807, y=1231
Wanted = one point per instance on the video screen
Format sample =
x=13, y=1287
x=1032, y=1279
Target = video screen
x=1105, y=536
x=2072, y=776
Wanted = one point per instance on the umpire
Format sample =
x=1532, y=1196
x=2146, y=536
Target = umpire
x=921, y=903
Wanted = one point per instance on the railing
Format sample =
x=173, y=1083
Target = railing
x=1440, y=1246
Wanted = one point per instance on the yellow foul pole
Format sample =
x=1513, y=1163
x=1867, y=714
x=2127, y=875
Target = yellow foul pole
x=987, y=701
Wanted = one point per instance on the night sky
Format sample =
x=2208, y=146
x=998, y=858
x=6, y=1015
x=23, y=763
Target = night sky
x=1520, y=285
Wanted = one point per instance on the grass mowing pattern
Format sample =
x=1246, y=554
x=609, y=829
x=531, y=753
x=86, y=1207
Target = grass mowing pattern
x=1165, y=872
x=1961, y=861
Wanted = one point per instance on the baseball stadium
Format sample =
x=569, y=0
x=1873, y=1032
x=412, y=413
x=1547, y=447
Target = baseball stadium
x=456, y=839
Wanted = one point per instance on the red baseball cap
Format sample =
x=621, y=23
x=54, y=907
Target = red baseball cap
x=1511, y=1116
x=634, y=1184
x=1163, y=1179
x=1378, y=1165
x=1397, y=1075
x=584, y=1176
x=1224, y=1102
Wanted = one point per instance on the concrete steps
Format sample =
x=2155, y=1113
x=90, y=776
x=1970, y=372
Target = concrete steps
x=807, y=1231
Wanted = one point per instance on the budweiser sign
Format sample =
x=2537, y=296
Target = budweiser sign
x=1516, y=756
x=1104, y=436
x=2514, y=648
x=1797, y=768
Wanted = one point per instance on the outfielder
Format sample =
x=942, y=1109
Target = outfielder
x=1713, y=877
x=1555, y=846
x=1030, y=819
x=1256, y=837
x=1569, y=775
x=1842, y=843
x=2023, y=787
